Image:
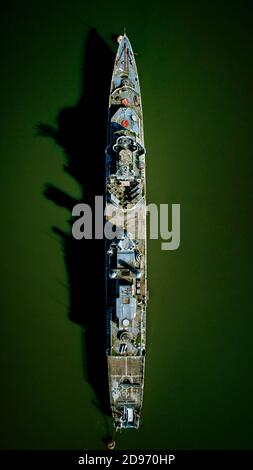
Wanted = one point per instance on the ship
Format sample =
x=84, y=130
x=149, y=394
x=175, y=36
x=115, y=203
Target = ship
x=126, y=293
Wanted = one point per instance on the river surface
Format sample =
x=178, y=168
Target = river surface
x=195, y=68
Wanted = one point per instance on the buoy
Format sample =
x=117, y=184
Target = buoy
x=124, y=123
x=125, y=101
x=111, y=445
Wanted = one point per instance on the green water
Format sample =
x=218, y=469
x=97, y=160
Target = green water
x=195, y=66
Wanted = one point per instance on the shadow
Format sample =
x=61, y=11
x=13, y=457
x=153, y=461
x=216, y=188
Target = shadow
x=81, y=133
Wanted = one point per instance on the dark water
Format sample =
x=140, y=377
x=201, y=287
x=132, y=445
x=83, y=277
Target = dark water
x=195, y=66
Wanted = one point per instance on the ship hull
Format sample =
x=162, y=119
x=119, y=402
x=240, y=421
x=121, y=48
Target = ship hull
x=125, y=250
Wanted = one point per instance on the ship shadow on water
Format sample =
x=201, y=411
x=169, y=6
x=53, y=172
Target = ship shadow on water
x=81, y=133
